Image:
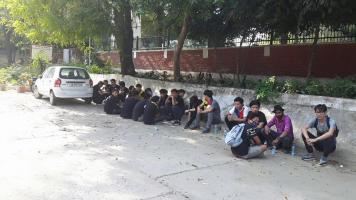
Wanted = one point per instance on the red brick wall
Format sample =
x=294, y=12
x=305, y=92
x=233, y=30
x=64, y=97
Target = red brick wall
x=291, y=60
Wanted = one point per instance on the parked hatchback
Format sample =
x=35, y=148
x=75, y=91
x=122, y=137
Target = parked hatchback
x=64, y=82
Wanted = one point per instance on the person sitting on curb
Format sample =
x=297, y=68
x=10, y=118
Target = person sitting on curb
x=141, y=93
x=194, y=103
x=236, y=114
x=140, y=106
x=123, y=92
x=325, y=141
x=111, y=104
x=177, y=107
x=212, y=111
x=113, y=85
x=129, y=104
x=283, y=137
x=151, y=111
x=255, y=106
x=251, y=145
x=98, y=96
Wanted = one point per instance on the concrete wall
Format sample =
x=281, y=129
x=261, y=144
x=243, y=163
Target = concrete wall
x=331, y=60
x=298, y=107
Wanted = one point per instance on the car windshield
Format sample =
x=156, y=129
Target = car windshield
x=73, y=73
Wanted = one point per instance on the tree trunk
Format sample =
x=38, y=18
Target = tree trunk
x=313, y=53
x=271, y=39
x=181, y=38
x=239, y=61
x=9, y=46
x=124, y=36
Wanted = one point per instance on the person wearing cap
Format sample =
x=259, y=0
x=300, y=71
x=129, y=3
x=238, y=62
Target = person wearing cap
x=283, y=136
x=212, y=111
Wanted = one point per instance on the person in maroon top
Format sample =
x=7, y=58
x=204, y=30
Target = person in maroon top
x=283, y=136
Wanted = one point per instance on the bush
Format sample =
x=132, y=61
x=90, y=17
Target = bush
x=38, y=65
x=5, y=75
x=314, y=87
x=95, y=69
x=267, y=90
x=292, y=86
x=341, y=88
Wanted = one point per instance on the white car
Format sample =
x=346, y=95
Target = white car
x=64, y=82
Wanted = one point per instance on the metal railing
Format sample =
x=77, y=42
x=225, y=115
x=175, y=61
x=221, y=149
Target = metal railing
x=327, y=35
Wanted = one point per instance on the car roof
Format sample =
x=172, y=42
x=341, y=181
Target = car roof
x=58, y=66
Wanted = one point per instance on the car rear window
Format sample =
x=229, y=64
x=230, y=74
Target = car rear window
x=73, y=73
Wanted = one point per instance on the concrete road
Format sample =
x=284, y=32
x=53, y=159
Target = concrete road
x=75, y=151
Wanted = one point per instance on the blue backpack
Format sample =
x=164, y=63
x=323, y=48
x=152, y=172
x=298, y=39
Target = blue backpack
x=233, y=137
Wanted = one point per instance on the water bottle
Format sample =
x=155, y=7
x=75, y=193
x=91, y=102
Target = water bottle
x=216, y=128
x=225, y=132
x=293, y=150
x=273, y=152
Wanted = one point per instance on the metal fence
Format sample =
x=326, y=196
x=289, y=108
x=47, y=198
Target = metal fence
x=327, y=35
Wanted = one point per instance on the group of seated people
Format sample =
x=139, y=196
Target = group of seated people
x=142, y=105
x=257, y=134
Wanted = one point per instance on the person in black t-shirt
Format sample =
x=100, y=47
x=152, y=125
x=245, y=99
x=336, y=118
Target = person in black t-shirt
x=129, y=104
x=111, y=103
x=177, y=106
x=139, y=107
x=97, y=93
x=194, y=102
x=255, y=108
x=163, y=97
x=151, y=111
x=114, y=86
x=106, y=89
x=251, y=145
x=123, y=92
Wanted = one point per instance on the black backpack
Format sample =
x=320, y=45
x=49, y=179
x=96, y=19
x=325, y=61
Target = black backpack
x=336, y=132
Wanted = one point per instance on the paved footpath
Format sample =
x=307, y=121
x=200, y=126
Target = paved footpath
x=76, y=152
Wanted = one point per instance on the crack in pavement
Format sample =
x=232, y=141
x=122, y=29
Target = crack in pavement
x=195, y=169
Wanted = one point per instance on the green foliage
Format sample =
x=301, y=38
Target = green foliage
x=267, y=90
x=341, y=88
x=314, y=87
x=95, y=69
x=291, y=87
x=5, y=75
x=38, y=65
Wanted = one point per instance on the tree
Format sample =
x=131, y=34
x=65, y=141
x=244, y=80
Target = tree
x=8, y=33
x=122, y=24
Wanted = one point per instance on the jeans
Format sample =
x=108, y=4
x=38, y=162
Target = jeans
x=192, y=117
x=231, y=124
x=210, y=120
x=326, y=146
x=177, y=112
